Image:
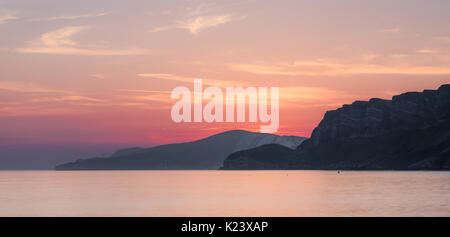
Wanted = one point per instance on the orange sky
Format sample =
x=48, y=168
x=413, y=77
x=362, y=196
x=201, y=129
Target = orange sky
x=103, y=72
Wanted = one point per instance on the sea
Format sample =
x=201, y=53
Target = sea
x=224, y=193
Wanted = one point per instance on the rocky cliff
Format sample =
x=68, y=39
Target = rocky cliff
x=411, y=131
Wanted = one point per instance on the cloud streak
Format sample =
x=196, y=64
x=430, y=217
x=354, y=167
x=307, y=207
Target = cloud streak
x=197, y=24
x=66, y=98
x=60, y=42
x=4, y=17
x=390, y=30
x=28, y=88
x=321, y=68
x=177, y=78
x=31, y=99
x=425, y=51
x=72, y=17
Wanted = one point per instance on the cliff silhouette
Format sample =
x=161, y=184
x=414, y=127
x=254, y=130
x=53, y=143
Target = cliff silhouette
x=409, y=132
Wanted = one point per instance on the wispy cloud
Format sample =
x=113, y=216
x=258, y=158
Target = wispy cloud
x=197, y=24
x=322, y=67
x=32, y=99
x=425, y=51
x=399, y=55
x=178, y=78
x=263, y=69
x=202, y=9
x=66, y=98
x=144, y=96
x=45, y=94
x=60, y=42
x=98, y=75
x=72, y=17
x=166, y=76
x=160, y=98
x=28, y=88
x=7, y=16
x=390, y=30
x=201, y=17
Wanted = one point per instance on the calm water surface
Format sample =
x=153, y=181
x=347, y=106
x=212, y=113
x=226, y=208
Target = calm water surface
x=224, y=193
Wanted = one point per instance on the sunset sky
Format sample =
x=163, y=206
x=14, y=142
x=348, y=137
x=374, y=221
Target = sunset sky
x=102, y=71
